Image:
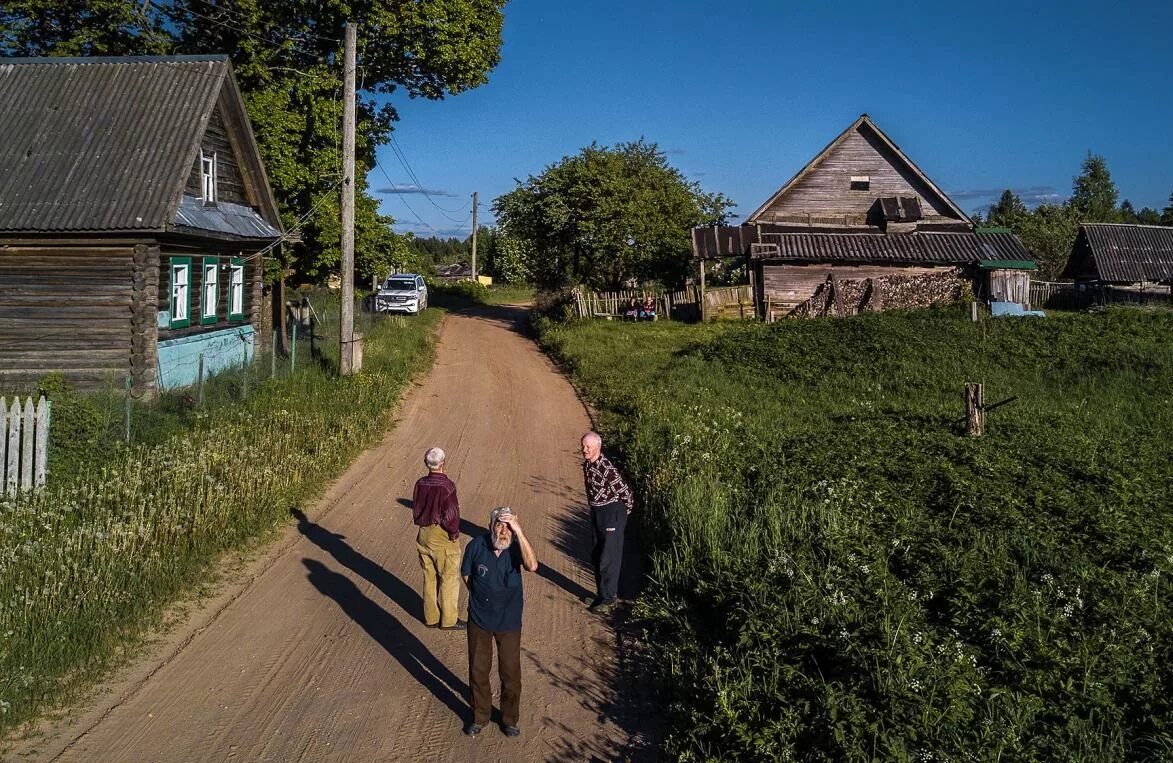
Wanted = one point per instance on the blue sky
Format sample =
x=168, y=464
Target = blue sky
x=741, y=94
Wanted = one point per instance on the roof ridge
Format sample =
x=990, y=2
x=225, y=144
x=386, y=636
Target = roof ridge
x=53, y=60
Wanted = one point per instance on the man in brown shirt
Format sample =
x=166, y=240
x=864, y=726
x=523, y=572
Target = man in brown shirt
x=437, y=514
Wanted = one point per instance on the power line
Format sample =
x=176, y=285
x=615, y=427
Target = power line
x=235, y=16
x=412, y=209
x=402, y=157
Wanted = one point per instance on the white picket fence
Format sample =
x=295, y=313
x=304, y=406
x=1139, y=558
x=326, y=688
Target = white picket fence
x=24, y=444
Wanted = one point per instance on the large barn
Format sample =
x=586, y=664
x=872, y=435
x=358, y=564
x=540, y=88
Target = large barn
x=134, y=213
x=1125, y=256
x=861, y=227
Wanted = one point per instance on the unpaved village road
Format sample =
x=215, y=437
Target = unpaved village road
x=322, y=655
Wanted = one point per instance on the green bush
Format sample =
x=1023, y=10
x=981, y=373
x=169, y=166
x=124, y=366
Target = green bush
x=838, y=573
x=443, y=293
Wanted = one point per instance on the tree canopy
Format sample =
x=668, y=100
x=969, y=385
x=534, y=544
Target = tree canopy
x=607, y=215
x=287, y=59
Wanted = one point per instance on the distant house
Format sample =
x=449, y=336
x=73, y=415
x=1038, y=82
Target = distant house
x=861, y=227
x=134, y=211
x=457, y=271
x=1126, y=256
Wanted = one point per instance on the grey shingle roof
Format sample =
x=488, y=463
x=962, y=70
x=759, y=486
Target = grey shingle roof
x=1117, y=253
x=100, y=143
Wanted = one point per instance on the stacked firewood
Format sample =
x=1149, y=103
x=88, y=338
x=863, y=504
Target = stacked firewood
x=849, y=297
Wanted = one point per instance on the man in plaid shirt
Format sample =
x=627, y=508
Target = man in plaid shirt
x=610, y=501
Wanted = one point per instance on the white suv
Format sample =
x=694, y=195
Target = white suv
x=402, y=293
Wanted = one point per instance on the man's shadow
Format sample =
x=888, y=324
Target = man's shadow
x=384, y=628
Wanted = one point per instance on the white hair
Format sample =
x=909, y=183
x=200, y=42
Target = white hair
x=593, y=438
x=434, y=458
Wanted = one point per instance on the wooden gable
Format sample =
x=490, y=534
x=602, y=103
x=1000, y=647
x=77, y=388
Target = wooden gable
x=843, y=185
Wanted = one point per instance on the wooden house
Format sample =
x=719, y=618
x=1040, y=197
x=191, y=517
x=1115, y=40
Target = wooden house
x=860, y=227
x=1122, y=256
x=134, y=215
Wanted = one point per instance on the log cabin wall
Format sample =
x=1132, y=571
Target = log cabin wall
x=826, y=191
x=196, y=255
x=68, y=309
x=785, y=286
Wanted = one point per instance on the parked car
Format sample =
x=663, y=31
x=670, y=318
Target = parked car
x=402, y=293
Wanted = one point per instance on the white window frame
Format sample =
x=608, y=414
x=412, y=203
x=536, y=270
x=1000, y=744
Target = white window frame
x=209, y=290
x=208, y=177
x=180, y=292
x=236, y=290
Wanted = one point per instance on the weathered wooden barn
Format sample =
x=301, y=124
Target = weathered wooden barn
x=861, y=227
x=134, y=210
x=1126, y=256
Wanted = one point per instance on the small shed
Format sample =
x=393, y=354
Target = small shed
x=1123, y=256
x=1008, y=280
x=135, y=213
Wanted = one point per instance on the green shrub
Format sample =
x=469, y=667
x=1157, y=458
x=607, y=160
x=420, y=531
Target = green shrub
x=837, y=573
x=443, y=293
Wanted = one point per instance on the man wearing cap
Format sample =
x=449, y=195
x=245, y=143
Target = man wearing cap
x=610, y=502
x=437, y=514
x=491, y=569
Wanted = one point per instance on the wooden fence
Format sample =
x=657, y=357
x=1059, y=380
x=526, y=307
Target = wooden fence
x=24, y=444
x=684, y=304
x=1068, y=296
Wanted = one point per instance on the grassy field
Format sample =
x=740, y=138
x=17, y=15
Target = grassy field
x=93, y=560
x=838, y=573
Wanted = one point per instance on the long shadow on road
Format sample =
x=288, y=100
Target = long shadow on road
x=382, y=626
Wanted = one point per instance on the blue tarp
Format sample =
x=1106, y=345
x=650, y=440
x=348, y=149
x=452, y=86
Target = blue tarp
x=1013, y=309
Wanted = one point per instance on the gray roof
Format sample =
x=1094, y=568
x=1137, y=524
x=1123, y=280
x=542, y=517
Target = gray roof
x=902, y=249
x=101, y=144
x=223, y=217
x=1117, y=253
x=920, y=247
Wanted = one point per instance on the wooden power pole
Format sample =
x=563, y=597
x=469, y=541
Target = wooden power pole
x=474, y=235
x=350, y=357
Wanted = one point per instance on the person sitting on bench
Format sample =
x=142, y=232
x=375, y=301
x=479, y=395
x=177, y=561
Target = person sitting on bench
x=631, y=312
x=647, y=311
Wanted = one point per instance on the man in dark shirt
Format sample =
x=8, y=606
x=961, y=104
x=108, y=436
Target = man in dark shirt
x=491, y=569
x=610, y=502
x=437, y=514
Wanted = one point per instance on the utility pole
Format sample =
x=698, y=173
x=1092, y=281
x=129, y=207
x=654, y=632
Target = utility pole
x=350, y=357
x=474, y=235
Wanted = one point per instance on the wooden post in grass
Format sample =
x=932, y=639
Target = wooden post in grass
x=973, y=311
x=974, y=413
x=293, y=350
x=126, y=407
x=200, y=384
x=273, y=355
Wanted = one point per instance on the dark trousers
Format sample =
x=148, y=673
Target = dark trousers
x=609, y=522
x=480, y=662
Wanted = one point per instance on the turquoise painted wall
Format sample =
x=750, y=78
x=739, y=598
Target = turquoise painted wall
x=179, y=359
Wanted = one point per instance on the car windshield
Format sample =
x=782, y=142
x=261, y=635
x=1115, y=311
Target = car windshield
x=400, y=284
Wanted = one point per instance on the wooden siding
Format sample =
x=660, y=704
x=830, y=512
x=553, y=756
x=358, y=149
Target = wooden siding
x=1010, y=286
x=229, y=182
x=786, y=286
x=825, y=194
x=252, y=295
x=66, y=309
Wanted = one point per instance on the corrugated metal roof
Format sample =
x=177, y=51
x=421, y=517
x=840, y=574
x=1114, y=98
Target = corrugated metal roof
x=100, y=143
x=223, y=217
x=1124, y=253
x=908, y=248
x=899, y=248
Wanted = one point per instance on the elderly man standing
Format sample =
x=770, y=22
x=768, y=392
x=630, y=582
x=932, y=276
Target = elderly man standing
x=491, y=569
x=437, y=514
x=610, y=502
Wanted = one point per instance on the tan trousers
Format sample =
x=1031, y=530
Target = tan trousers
x=440, y=560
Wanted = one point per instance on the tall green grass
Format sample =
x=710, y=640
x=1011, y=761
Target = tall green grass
x=89, y=562
x=838, y=573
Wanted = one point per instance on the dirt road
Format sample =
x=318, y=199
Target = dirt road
x=318, y=653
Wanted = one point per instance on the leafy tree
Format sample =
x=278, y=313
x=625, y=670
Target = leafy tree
x=1093, y=194
x=512, y=260
x=607, y=215
x=1148, y=216
x=287, y=60
x=1167, y=212
x=1049, y=233
x=1008, y=211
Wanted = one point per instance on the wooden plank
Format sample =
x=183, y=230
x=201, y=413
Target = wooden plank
x=3, y=442
x=27, y=426
x=41, y=462
x=13, y=470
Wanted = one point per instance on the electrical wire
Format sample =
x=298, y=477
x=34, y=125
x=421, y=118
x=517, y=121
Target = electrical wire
x=402, y=157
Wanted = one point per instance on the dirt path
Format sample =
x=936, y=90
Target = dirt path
x=319, y=653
